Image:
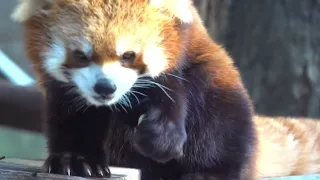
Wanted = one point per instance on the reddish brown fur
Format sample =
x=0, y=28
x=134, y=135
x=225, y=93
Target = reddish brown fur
x=110, y=21
x=287, y=146
x=107, y=23
x=201, y=44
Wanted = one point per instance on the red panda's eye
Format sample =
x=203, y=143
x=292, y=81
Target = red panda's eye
x=129, y=56
x=80, y=56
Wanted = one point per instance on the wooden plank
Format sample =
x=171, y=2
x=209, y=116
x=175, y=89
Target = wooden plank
x=13, y=169
x=13, y=98
x=302, y=177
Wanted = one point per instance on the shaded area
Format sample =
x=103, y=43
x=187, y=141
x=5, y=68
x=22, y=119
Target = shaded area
x=275, y=44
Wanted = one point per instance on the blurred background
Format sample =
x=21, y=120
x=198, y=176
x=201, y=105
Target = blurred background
x=275, y=44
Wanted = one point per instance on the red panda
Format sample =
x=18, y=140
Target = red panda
x=140, y=84
x=287, y=146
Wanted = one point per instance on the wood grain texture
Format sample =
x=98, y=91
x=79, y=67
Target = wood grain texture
x=13, y=169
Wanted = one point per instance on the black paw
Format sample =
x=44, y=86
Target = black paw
x=74, y=165
x=159, y=139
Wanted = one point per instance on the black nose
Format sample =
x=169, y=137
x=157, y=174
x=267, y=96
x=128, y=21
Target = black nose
x=105, y=87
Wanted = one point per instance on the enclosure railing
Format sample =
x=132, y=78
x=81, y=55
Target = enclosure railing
x=13, y=72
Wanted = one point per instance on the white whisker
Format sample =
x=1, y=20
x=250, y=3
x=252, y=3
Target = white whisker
x=139, y=93
x=135, y=96
x=123, y=101
x=80, y=106
x=115, y=107
x=111, y=108
x=175, y=76
x=72, y=90
x=157, y=84
x=143, y=85
x=86, y=108
x=162, y=87
x=123, y=108
x=127, y=100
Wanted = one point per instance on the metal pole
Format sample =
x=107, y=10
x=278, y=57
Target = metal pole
x=13, y=72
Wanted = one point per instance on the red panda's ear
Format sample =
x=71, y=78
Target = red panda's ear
x=180, y=8
x=27, y=8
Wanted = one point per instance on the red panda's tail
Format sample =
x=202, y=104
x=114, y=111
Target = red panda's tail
x=287, y=146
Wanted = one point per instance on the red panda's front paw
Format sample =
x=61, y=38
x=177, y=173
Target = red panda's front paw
x=76, y=165
x=159, y=139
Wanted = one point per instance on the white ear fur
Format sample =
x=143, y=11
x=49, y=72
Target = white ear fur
x=180, y=8
x=27, y=8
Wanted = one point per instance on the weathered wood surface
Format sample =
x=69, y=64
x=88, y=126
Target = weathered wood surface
x=306, y=177
x=13, y=169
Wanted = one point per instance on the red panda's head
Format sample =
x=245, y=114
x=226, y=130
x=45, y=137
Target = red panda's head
x=104, y=46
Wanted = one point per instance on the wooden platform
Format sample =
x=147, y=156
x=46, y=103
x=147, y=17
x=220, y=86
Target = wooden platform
x=18, y=169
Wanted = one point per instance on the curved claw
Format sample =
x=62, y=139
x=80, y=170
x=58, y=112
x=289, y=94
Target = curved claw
x=68, y=171
x=70, y=165
x=49, y=169
x=107, y=172
x=100, y=171
x=87, y=170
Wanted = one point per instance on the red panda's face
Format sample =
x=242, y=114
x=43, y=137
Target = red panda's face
x=103, y=47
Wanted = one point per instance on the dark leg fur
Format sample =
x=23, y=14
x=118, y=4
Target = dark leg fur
x=221, y=137
x=162, y=134
x=75, y=138
x=211, y=127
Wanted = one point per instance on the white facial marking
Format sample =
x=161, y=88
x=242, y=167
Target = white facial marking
x=87, y=48
x=121, y=47
x=56, y=57
x=155, y=59
x=127, y=44
x=180, y=8
x=122, y=77
x=153, y=55
x=53, y=60
x=156, y=2
x=82, y=44
x=85, y=79
x=183, y=11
